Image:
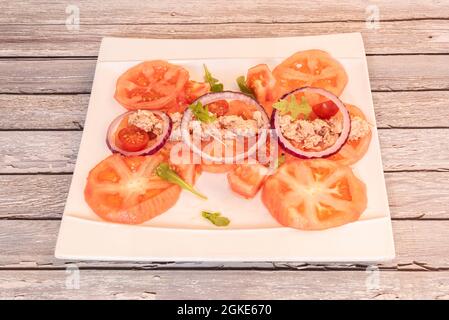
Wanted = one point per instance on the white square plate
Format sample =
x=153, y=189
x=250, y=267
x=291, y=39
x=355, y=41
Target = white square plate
x=181, y=234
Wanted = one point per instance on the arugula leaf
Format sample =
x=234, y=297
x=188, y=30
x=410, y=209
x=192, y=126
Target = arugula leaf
x=241, y=82
x=216, y=218
x=164, y=171
x=215, y=85
x=202, y=113
x=293, y=107
x=280, y=160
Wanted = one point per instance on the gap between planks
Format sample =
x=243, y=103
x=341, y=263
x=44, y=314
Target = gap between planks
x=418, y=73
x=234, y=22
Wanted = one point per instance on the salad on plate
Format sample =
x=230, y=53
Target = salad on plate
x=286, y=136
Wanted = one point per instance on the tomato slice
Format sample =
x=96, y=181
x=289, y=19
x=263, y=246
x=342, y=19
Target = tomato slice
x=216, y=167
x=194, y=90
x=127, y=190
x=239, y=108
x=247, y=179
x=353, y=151
x=262, y=82
x=314, y=68
x=214, y=148
x=314, y=194
x=220, y=107
x=150, y=85
x=133, y=138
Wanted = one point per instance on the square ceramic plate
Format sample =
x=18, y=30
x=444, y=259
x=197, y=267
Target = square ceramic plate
x=181, y=234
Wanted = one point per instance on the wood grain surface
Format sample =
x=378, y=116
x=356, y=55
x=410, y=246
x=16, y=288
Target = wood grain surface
x=46, y=73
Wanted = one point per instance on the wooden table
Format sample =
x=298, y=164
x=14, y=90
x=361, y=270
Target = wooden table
x=46, y=71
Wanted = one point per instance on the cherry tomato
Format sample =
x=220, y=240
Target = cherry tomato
x=325, y=110
x=219, y=107
x=133, y=138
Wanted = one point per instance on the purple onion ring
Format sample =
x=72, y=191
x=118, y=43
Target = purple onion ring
x=287, y=145
x=225, y=95
x=156, y=146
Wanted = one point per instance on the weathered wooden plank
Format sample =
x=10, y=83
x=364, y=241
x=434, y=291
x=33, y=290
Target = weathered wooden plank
x=41, y=151
x=68, y=111
x=44, y=196
x=46, y=76
x=33, y=196
x=399, y=109
x=152, y=284
x=417, y=72
x=420, y=245
x=193, y=11
x=43, y=111
x=55, y=152
x=429, y=36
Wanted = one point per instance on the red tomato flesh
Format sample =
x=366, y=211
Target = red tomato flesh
x=247, y=179
x=325, y=110
x=220, y=107
x=133, y=138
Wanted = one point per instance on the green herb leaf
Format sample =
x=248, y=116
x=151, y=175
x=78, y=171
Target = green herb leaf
x=202, y=113
x=215, y=85
x=164, y=171
x=293, y=107
x=280, y=160
x=241, y=82
x=216, y=218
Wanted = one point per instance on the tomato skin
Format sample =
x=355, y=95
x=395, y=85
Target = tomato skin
x=314, y=195
x=247, y=179
x=133, y=138
x=220, y=107
x=262, y=82
x=325, y=110
x=151, y=85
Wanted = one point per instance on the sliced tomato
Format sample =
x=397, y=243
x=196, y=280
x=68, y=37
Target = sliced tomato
x=127, y=190
x=314, y=68
x=353, y=151
x=219, y=108
x=314, y=195
x=262, y=82
x=194, y=90
x=214, y=148
x=247, y=179
x=216, y=167
x=239, y=108
x=151, y=85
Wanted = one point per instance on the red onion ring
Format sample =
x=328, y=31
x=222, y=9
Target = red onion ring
x=286, y=144
x=225, y=95
x=156, y=146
